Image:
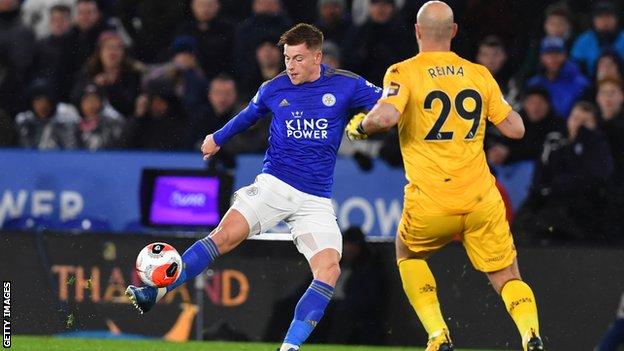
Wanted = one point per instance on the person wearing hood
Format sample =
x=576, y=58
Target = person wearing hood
x=46, y=124
x=604, y=34
x=100, y=126
x=559, y=76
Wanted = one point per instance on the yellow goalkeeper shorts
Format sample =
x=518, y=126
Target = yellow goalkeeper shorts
x=484, y=232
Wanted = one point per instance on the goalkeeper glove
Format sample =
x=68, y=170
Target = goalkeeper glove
x=354, y=129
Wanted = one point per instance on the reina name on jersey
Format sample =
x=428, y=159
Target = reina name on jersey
x=439, y=71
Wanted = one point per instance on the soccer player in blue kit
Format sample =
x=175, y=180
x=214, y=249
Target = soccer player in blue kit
x=311, y=105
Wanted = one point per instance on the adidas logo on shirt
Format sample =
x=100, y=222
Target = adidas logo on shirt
x=284, y=103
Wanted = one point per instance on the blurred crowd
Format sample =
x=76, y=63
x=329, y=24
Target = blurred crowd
x=160, y=75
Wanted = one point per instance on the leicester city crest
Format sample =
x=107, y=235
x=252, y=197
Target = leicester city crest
x=329, y=100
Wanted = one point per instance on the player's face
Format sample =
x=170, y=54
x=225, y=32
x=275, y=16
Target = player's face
x=302, y=63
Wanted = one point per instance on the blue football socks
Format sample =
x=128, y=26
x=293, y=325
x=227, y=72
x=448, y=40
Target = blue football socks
x=195, y=259
x=309, y=312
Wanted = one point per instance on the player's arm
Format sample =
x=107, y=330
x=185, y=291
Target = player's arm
x=387, y=111
x=512, y=126
x=241, y=122
x=381, y=118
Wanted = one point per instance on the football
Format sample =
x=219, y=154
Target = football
x=159, y=264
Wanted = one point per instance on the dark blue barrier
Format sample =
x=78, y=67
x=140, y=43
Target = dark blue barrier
x=61, y=185
x=55, y=187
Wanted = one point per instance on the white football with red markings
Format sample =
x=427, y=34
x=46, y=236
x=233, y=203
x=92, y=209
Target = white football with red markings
x=159, y=264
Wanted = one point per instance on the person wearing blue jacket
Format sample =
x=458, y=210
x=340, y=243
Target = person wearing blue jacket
x=560, y=76
x=604, y=35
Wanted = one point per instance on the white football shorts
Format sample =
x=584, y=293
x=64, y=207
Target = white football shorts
x=311, y=219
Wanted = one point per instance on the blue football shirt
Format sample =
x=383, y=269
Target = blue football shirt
x=307, y=125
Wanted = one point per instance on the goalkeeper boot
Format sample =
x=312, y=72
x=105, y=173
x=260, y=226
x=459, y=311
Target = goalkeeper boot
x=534, y=342
x=142, y=298
x=440, y=342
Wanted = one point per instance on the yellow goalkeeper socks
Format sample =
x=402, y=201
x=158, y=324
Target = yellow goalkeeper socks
x=521, y=305
x=420, y=288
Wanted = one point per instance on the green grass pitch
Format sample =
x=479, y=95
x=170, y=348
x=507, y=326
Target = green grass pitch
x=36, y=343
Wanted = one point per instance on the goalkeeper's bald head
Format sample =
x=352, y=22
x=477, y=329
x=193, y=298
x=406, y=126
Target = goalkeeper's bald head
x=435, y=22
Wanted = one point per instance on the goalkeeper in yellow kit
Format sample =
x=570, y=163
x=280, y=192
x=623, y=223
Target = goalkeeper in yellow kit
x=441, y=102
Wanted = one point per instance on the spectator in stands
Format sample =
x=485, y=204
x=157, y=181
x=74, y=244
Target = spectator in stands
x=114, y=72
x=560, y=76
x=222, y=105
x=100, y=126
x=493, y=55
x=566, y=200
x=333, y=21
x=557, y=23
x=151, y=25
x=47, y=124
x=609, y=65
x=54, y=53
x=268, y=64
x=89, y=24
x=184, y=75
x=11, y=86
x=7, y=129
x=36, y=14
x=610, y=99
x=381, y=41
x=235, y=10
x=604, y=34
x=159, y=122
x=16, y=40
x=267, y=20
x=331, y=54
x=540, y=123
x=215, y=37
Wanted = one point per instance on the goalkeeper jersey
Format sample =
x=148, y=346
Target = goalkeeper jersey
x=307, y=125
x=444, y=103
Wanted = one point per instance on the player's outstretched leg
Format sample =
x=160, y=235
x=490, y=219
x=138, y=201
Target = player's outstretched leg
x=520, y=303
x=420, y=288
x=232, y=230
x=311, y=306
